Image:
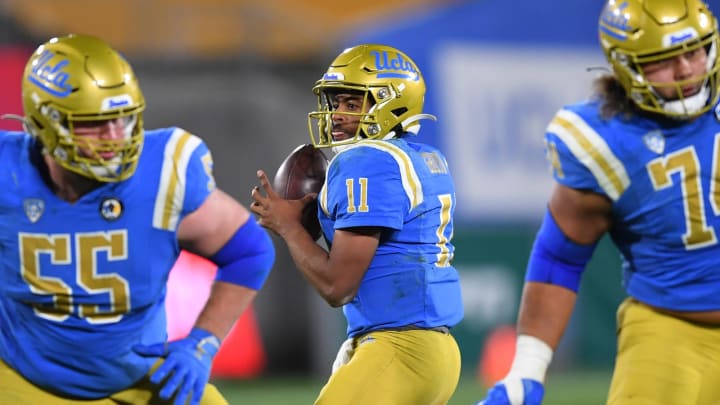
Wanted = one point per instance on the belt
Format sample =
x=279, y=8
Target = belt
x=442, y=329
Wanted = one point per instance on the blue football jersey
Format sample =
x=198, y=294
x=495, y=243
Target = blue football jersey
x=82, y=282
x=664, y=184
x=407, y=189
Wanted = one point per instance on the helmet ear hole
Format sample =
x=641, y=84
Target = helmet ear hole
x=399, y=111
x=36, y=124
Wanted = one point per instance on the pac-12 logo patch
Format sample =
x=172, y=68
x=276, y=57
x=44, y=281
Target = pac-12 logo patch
x=655, y=141
x=111, y=208
x=34, y=208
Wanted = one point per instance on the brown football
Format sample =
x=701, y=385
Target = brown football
x=302, y=172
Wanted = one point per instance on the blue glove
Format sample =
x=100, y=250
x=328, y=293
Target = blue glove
x=502, y=394
x=187, y=364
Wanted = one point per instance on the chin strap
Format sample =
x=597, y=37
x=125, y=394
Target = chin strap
x=689, y=105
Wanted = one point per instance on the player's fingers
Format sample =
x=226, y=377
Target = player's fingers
x=159, y=375
x=183, y=390
x=256, y=195
x=197, y=392
x=265, y=184
x=172, y=384
x=256, y=208
x=158, y=349
x=307, y=198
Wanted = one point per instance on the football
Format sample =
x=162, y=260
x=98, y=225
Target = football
x=302, y=172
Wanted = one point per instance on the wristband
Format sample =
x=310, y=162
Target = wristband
x=532, y=358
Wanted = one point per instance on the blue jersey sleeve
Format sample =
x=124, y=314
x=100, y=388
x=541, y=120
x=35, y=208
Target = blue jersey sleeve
x=200, y=180
x=186, y=178
x=582, y=156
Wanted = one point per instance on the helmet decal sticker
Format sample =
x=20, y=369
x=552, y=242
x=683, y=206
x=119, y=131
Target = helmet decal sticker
x=615, y=18
x=396, y=67
x=50, y=77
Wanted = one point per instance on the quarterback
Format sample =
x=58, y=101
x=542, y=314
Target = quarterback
x=641, y=163
x=386, y=211
x=93, y=214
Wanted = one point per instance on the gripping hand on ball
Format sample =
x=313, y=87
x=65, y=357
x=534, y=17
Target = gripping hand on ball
x=275, y=213
x=186, y=367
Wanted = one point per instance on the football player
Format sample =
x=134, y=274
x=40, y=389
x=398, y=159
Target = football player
x=641, y=163
x=93, y=214
x=386, y=211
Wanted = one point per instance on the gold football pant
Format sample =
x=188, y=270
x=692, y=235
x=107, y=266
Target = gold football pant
x=413, y=367
x=16, y=390
x=663, y=360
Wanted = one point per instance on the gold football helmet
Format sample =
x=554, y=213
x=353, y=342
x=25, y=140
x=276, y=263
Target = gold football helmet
x=636, y=32
x=81, y=78
x=389, y=80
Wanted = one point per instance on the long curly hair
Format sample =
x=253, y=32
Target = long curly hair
x=612, y=97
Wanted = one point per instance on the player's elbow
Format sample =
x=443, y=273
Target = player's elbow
x=338, y=297
x=337, y=302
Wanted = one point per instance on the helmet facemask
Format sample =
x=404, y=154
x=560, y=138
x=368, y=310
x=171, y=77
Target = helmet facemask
x=84, y=155
x=647, y=94
x=367, y=126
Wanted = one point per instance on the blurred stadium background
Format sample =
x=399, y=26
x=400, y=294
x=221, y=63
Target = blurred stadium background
x=239, y=72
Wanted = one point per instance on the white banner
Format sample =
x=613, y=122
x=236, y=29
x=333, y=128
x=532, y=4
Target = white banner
x=494, y=106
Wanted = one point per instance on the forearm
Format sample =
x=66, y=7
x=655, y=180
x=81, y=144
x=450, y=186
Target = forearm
x=226, y=303
x=311, y=260
x=545, y=311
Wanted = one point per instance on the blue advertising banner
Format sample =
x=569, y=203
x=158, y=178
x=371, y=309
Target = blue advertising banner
x=496, y=72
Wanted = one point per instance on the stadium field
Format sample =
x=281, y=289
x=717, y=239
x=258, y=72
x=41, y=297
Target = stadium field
x=577, y=388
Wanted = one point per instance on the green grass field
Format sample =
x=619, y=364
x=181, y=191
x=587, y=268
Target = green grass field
x=577, y=388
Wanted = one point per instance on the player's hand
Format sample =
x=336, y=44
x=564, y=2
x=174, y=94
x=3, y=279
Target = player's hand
x=186, y=367
x=274, y=212
x=515, y=391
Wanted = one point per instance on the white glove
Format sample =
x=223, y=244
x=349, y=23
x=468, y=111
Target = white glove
x=344, y=354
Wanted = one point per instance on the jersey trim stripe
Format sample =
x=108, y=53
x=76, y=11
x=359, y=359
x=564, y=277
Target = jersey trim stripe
x=322, y=198
x=171, y=192
x=592, y=151
x=410, y=180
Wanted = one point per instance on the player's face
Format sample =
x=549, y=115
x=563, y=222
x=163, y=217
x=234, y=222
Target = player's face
x=348, y=108
x=100, y=139
x=687, y=68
